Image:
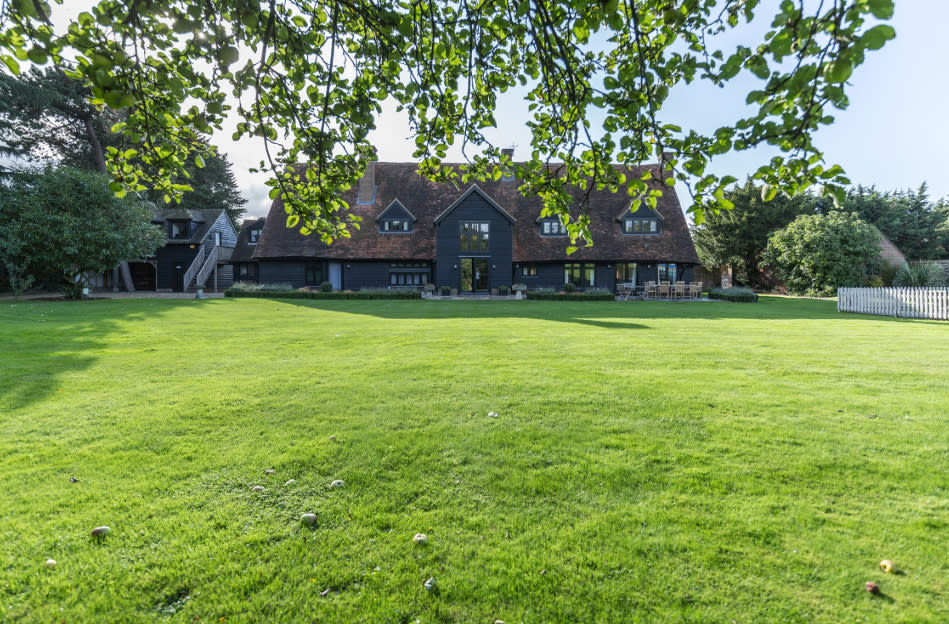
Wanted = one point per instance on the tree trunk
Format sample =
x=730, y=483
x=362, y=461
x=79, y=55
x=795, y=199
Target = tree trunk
x=97, y=152
x=99, y=157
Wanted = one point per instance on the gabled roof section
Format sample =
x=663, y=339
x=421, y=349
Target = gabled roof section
x=474, y=189
x=244, y=249
x=644, y=212
x=398, y=210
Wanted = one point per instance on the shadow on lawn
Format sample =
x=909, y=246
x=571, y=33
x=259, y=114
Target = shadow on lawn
x=42, y=341
x=606, y=314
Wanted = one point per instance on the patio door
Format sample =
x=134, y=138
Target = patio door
x=474, y=274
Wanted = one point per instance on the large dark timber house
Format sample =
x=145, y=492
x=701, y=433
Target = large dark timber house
x=477, y=238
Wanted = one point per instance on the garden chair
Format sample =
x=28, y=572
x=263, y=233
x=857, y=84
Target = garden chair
x=664, y=290
x=649, y=290
x=695, y=290
x=678, y=290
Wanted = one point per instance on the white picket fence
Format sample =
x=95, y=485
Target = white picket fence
x=922, y=303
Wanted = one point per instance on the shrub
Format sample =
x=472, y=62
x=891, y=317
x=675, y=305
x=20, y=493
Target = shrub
x=326, y=287
x=546, y=294
x=445, y=290
x=920, y=275
x=304, y=293
x=569, y=287
x=735, y=293
x=888, y=271
x=254, y=287
x=503, y=290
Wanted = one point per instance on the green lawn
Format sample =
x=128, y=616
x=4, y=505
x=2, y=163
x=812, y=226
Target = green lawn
x=681, y=462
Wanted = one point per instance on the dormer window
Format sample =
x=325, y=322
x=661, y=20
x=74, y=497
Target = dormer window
x=254, y=235
x=553, y=227
x=640, y=226
x=396, y=219
x=396, y=225
x=180, y=229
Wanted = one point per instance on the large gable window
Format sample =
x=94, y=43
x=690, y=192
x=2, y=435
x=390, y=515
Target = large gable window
x=640, y=226
x=474, y=236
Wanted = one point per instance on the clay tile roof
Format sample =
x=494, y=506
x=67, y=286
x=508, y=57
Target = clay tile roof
x=427, y=200
x=244, y=250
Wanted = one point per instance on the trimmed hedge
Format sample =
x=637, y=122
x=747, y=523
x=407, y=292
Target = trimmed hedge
x=552, y=295
x=735, y=293
x=316, y=294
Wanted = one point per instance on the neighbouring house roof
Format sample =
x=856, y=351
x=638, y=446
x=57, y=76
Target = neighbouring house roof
x=244, y=250
x=204, y=218
x=428, y=201
x=890, y=252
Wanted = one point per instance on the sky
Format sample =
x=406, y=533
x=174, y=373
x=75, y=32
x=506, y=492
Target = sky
x=894, y=135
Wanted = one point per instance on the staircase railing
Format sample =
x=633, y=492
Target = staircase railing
x=193, y=269
x=208, y=266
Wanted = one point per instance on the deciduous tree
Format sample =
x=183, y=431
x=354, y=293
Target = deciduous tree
x=738, y=237
x=817, y=254
x=69, y=223
x=311, y=76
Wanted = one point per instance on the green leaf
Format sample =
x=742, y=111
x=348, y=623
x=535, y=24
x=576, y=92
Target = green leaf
x=838, y=71
x=228, y=55
x=877, y=36
x=11, y=63
x=292, y=221
x=199, y=161
x=881, y=9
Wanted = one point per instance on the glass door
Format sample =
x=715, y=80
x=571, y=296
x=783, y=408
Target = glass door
x=473, y=274
x=467, y=274
x=481, y=274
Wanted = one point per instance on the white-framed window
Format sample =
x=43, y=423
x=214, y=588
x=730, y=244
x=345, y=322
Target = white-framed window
x=529, y=271
x=254, y=235
x=217, y=239
x=397, y=225
x=553, y=227
x=640, y=226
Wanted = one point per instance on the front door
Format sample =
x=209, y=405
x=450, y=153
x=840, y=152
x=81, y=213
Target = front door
x=474, y=274
x=178, y=278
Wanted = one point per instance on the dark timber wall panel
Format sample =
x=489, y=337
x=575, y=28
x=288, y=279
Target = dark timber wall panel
x=448, y=243
x=283, y=272
x=170, y=257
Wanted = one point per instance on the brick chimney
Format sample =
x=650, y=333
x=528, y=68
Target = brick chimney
x=367, y=185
